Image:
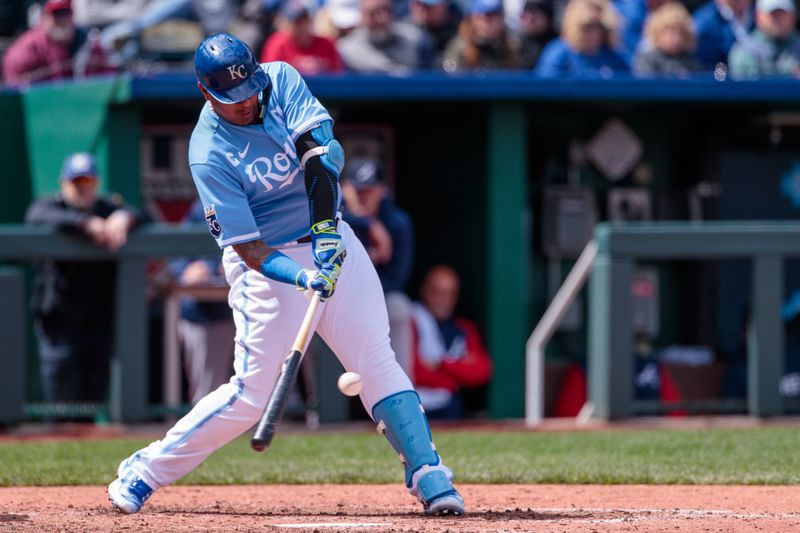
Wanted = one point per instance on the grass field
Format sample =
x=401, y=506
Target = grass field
x=709, y=456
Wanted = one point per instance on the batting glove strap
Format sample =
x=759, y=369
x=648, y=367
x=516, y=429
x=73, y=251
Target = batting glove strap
x=324, y=226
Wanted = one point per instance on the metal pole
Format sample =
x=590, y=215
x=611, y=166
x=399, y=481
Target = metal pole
x=534, y=348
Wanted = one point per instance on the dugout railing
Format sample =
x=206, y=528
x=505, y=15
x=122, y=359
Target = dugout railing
x=609, y=262
x=766, y=245
x=131, y=377
x=129, y=389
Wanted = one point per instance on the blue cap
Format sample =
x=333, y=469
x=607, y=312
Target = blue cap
x=363, y=172
x=270, y=6
x=431, y=2
x=228, y=69
x=79, y=164
x=485, y=6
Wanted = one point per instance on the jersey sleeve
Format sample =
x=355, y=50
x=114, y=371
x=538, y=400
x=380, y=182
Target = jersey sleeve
x=300, y=108
x=227, y=213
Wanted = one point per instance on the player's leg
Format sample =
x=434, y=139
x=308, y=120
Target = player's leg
x=356, y=327
x=264, y=312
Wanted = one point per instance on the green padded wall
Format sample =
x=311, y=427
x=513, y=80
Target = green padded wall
x=71, y=117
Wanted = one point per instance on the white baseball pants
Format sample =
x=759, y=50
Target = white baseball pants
x=267, y=314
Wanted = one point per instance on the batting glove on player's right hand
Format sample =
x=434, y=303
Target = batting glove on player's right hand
x=327, y=244
x=322, y=281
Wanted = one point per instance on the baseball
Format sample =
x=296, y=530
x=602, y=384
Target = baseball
x=350, y=383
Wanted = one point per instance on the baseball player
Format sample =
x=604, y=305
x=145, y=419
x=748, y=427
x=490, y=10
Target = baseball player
x=266, y=167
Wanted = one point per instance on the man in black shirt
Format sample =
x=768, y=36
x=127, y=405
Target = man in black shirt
x=73, y=301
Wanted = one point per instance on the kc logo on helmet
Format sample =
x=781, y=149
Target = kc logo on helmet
x=238, y=71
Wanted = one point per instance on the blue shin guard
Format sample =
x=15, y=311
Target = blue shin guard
x=402, y=420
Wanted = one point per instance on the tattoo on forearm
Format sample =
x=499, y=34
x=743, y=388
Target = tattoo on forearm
x=253, y=253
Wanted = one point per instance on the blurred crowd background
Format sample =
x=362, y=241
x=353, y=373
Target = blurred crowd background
x=548, y=38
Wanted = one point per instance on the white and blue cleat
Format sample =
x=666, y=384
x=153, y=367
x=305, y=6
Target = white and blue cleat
x=129, y=492
x=433, y=486
x=446, y=504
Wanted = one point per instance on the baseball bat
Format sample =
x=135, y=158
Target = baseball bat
x=273, y=411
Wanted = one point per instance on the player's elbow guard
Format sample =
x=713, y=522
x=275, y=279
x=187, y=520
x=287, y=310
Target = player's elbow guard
x=319, y=145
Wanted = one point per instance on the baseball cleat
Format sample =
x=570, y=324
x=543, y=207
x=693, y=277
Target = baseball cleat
x=129, y=492
x=447, y=504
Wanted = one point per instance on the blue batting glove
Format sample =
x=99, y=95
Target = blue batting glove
x=327, y=244
x=324, y=280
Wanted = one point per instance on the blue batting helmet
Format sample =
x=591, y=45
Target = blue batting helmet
x=227, y=68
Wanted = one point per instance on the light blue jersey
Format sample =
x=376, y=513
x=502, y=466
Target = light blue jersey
x=249, y=177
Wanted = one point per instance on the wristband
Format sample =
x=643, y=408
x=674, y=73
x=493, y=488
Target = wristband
x=281, y=267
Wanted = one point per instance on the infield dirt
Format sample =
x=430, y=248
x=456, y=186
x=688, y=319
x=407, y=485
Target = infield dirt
x=388, y=508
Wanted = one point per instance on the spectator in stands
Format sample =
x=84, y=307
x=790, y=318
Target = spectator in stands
x=53, y=49
x=387, y=233
x=719, y=24
x=439, y=19
x=483, y=41
x=449, y=356
x=668, y=49
x=73, y=301
x=587, y=47
x=536, y=30
x=256, y=21
x=337, y=18
x=169, y=30
x=101, y=13
x=774, y=46
x=205, y=329
x=381, y=44
x=633, y=14
x=295, y=43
